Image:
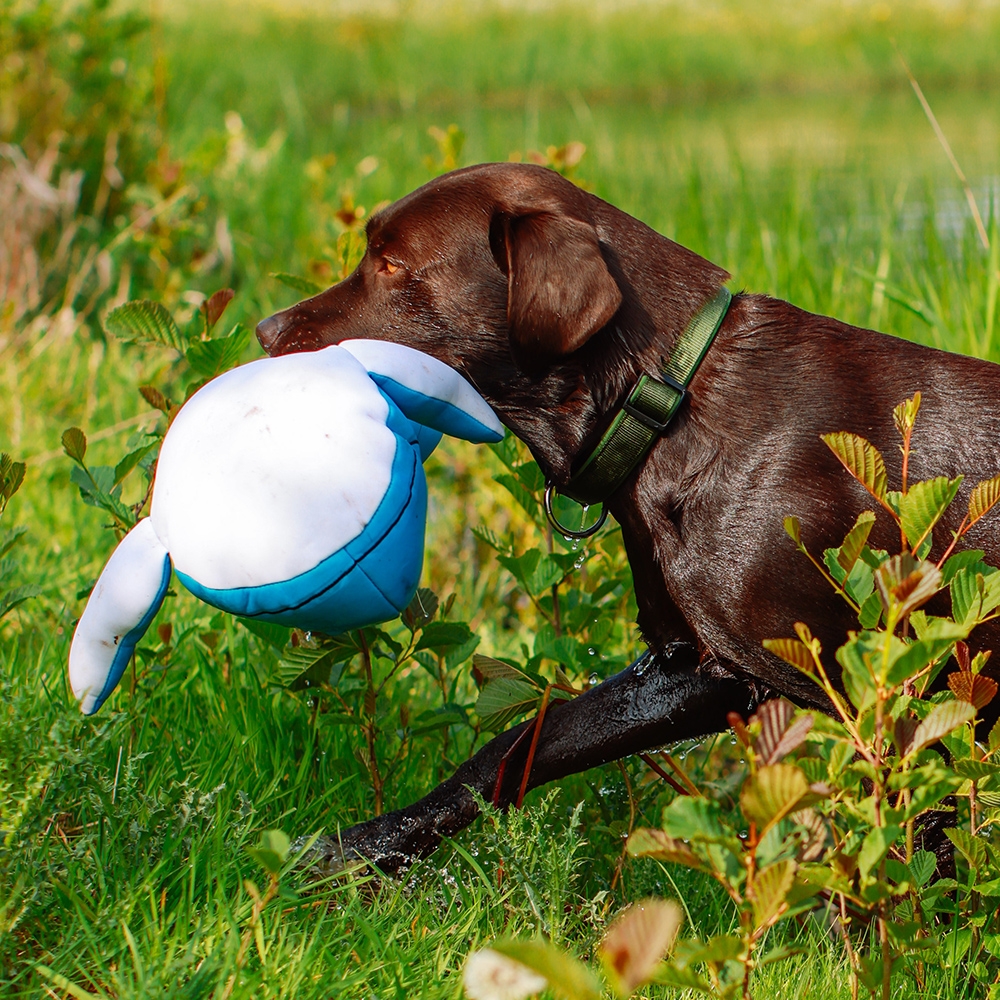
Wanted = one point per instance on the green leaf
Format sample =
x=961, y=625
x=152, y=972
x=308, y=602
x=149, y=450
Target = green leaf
x=209, y=358
x=504, y=699
x=567, y=976
x=438, y=718
x=11, y=477
x=97, y=488
x=871, y=611
x=442, y=635
x=861, y=459
x=923, y=506
x=875, y=847
x=772, y=793
x=273, y=634
x=985, y=496
x=132, y=459
x=904, y=416
x=271, y=852
x=793, y=529
x=921, y=653
x=961, y=560
x=971, y=848
x=145, y=322
x=493, y=669
x=309, y=666
x=10, y=599
x=943, y=719
x=297, y=283
x=690, y=818
x=769, y=895
x=850, y=550
x=523, y=496
x=421, y=609
x=922, y=866
x=74, y=443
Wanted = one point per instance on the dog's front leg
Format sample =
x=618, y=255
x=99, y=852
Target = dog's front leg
x=659, y=699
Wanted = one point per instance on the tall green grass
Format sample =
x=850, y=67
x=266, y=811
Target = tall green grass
x=782, y=142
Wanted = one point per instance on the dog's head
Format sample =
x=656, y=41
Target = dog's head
x=543, y=296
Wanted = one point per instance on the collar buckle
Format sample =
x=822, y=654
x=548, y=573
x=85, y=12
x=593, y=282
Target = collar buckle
x=651, y=420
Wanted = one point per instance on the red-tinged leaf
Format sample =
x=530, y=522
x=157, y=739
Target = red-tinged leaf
x=772, y=793
x=155, y=398
x=985, y=496
x=861, y=459
x=962, y=655
x=773, y=717
x=649, y=843
x=637, y=942
x=976, y=689
x=769, y=892
x=74, y=443
x=907, y=582
x=904, y=416
x=215, y=305
x=794, y=652
x=903, y=732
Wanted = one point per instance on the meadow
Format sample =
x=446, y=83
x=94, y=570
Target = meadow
x=222, y=144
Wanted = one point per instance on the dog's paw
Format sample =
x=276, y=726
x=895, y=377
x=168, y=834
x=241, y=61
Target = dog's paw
x=333, y=856
x=324, y=857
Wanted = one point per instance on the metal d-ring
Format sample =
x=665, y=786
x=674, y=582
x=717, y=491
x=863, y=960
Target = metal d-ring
x=550, y=489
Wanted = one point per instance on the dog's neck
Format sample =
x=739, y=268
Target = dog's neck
x=562, y=414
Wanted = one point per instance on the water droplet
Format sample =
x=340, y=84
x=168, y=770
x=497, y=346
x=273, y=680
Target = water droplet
x=642, y=666
x=593, y=679
x=732, y=741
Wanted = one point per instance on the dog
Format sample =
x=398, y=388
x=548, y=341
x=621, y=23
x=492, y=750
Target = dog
x=553, y=303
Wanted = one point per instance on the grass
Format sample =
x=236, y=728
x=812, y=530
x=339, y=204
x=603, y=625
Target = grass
x=789, y=149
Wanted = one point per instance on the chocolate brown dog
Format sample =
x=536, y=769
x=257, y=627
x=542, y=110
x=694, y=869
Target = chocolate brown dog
x=553, y=303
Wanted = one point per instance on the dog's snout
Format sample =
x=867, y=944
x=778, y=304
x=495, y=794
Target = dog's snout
x=269, y=331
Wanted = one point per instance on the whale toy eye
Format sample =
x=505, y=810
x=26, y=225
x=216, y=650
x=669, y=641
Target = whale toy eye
x=289, y=489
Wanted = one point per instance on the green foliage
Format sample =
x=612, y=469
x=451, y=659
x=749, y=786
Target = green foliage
x=11, y=478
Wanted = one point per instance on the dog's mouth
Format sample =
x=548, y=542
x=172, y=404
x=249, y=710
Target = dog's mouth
x=288, y=333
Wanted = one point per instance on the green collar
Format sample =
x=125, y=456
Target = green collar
x=647, y=411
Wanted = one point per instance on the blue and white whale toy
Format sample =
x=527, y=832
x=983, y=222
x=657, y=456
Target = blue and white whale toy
x=291, y=490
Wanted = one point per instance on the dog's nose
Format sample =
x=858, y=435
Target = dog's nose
x=269, y=331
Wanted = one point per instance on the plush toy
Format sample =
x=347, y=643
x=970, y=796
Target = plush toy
x=290, y=490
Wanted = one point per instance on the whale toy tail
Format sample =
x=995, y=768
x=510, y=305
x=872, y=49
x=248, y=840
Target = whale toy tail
x=124, y=601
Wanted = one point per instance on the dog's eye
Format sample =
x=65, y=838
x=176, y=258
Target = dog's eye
x=389, y=267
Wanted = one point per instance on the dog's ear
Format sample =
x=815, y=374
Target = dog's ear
x=559, y=289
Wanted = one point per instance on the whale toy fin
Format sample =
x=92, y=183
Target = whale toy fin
x=127, y=595
x=428, y=391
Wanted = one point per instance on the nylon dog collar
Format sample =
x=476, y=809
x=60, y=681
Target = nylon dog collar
x=644, y=416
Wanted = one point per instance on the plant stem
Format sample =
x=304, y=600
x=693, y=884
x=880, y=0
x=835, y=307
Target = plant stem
x=371, y=726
